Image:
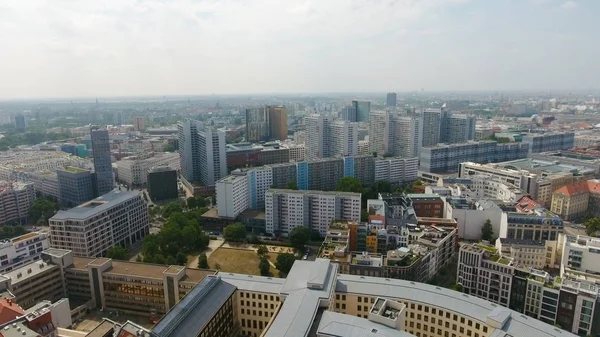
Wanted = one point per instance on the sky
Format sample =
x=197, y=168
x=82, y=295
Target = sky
x=91, y=48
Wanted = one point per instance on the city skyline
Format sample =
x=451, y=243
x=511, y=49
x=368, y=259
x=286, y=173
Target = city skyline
x=113, y=49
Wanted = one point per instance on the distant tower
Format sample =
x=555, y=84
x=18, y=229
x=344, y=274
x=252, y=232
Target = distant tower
x=20, y=123
x=391, y=99
x=105, y=180
x=363, y=109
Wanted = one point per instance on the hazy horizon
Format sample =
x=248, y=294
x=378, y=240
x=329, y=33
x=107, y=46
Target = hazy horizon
x=152, y=48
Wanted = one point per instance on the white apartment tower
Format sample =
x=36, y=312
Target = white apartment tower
x=232, y=195
x=394, y=134
x=15, y=201
x=201, y=152
x=328, y=138
x=288, y=209
x=432, y=119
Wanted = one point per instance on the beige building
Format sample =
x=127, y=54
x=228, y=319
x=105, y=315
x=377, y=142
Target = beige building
x=576, y=200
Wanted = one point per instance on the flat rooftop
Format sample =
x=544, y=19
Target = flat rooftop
x=28, y=271
x=511, y=322
x=341, y=325
x=95, y=206
x=349, y=194
x=245, y=282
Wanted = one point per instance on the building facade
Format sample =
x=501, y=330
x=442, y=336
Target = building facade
x=15, y=201
x=162, y=183
x=202, y=153
x=75, y=185
x=105, y=180
x=287, y=209
x=232, y=195
x=363, y=109
x=550, y=141
x=90, y=229
x=133, y=171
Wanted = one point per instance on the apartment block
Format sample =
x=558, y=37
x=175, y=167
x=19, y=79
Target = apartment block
x=457, y=128
x=287, y=209
x=202, y=152
x=394, y=134
x=396, y=170
x=326, y=137
x=76, y=185
x=446, y=158
x=232, y=195
x=538, y=225
x=15, y=201
x=549, y=141
x=431, y=126
x=90, y=229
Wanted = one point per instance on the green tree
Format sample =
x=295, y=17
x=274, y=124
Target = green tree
x=264, y=266
x=191, y=203
x=262, y=250
x=117, y=253
x=203, y=261
x=349, y=184
x=592, y=225
x=299, y=236
x=487, y=232
x=292, y=185
x=171, y=260
x=169, y=148
x=364, y=215
x=42, y=209
x=159, y=259
x=172, y=207
x=235, y=232
x=284, y=263
x=181, y=259
x=9, y=232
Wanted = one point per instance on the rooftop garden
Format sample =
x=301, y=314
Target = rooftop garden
x=488, y=248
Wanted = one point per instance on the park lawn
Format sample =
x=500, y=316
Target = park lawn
x=239, y=261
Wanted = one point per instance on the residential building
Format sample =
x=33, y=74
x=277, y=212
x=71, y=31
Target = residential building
x=391, y=99
x=201, y=153
x=297, y=152
x=580, y=257
x=427, y=205
x=133, y=170
x=363, y=109
x=363, y=147
x=446, y=158
x=15, y=201
x=75, y=185
x=344, y=138
x=138, y=123
x=531, y=253
x=90, y=229
x=287, y=209
x=552, y=141
x=456, y=128
x=257, y=124
x=394, y=134
x=105, y=180
x=586, y=140
x=431, y=126
x=577, y=200
x=162, y=183
x=482, y=187
x=21, y=250
x=232, y=195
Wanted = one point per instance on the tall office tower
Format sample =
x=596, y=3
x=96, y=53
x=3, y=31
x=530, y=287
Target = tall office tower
x=317, y=136
x=105, y=180
x=257, y=124
x=431, y=126
x=391, y=99
x=406, y=134
x=348, y=113
x=363, y=109
x=201, y=152
x=344, y=138
x=138, y=123
x=379, y=132
x=278, y=125
x=20, y=123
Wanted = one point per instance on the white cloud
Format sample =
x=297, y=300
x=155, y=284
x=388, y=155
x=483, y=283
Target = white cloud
x=569, y=5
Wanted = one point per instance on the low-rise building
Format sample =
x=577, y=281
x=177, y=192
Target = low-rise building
x=162, y=183
x=133, y=171
x=21, y=250
x=232, y=195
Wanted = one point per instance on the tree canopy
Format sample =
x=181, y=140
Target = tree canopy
x=235, y=232
x=284, y=262
x=42, y=209
x=264, y=266
x=487, y=232
x=172, y=207
x=292, y=185
x=592, y=225
x=117, y=253
x=203, y=261
x=349, y=184
x=299, y=236
x=9, y=232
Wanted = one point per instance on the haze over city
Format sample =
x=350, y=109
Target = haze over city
x=128, y=47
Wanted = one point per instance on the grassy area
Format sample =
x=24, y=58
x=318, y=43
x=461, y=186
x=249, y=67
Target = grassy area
x=238, y=261
x=488, y=248
x=74, y=169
